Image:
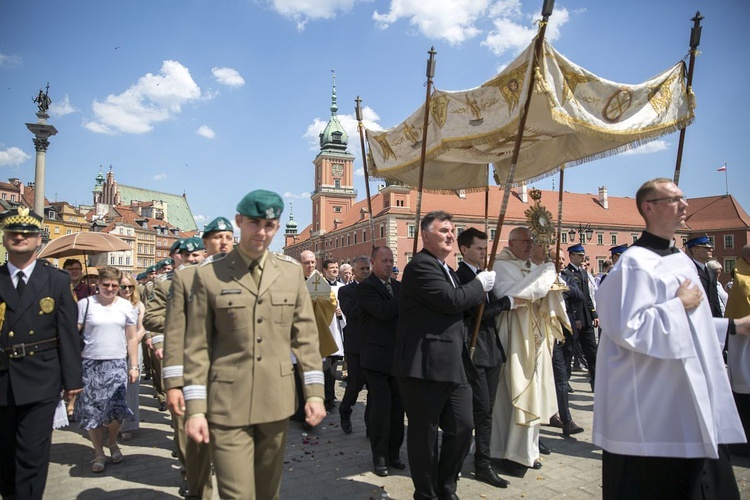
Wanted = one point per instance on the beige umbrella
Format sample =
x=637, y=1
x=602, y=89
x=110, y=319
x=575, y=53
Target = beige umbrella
x=83, y=243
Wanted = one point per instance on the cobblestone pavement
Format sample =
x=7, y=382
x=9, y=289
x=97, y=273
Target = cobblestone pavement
x=326, y=463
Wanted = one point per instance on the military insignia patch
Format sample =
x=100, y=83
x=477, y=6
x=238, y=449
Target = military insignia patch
x=47, y=305
x=190, y=296
x=2, y=314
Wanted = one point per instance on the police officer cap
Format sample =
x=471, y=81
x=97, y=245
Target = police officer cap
x=617, y=250
x=261, y=204
x=192, y=244
x=21, y=220
x=176, y=246
x=577, y=249
x=217, y=225
x=699, y=241
x=150, y=269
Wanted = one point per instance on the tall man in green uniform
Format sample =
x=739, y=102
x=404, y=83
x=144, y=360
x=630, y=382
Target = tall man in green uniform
x=190, y=252
x=247, y=311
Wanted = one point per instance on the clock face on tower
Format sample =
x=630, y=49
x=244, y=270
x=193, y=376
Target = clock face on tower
x=337, y=170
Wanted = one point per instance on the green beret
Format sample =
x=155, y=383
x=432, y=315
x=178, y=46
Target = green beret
x=140, y=276
x=191, y=245
x=176, y=246
x=151, y=269
x=261, y=204
x=166, y=262
x=219, y=224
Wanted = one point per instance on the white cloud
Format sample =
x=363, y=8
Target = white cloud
x=648, y=148
x=302, y=11
x=201, y=220
x=514, y=30
x=451, y=20
x=152, y=99
x=300, y=196
x=205, y=131
x=349, y=122
x=62, y=108
x=12, y=157
x=160, y=177
x=9, y=61
x=228, y=76
x=360, y=172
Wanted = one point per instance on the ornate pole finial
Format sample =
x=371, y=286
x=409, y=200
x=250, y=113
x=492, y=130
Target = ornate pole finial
x=334, y=106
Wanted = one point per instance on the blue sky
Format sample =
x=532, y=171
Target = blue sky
x=217, y=98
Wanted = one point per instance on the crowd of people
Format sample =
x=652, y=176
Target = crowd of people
x=239, y=341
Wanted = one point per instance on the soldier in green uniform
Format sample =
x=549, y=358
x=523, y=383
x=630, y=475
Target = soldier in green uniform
x=153, y=322
x=246, y=312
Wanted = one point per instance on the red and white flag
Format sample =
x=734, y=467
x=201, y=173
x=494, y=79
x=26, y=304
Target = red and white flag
x=722, y=168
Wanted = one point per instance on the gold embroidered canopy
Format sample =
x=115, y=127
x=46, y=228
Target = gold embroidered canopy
x=574, y=117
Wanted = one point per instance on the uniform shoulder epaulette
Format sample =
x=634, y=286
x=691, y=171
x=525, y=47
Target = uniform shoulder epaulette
x=213, y=258
x=286, y=258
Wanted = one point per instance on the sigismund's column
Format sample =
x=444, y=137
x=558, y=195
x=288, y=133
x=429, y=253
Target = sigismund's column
x=42, y=132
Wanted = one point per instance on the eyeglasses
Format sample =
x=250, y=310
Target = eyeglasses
x=671, y=199
x=108, y=285
x=126, y=287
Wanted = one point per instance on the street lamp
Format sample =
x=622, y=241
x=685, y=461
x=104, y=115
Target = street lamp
x=585, y=233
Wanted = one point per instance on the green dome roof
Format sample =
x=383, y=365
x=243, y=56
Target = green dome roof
x=333, y=137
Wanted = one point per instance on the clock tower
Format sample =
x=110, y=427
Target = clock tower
x=334, y=192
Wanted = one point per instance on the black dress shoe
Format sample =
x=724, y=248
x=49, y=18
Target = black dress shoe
x=397, y=464
x=184, y=491
x=381, y=470
x=452, y=496
x=555, y=421
x=543, y=448
x=346, y=425
x=511, y=468
x=488, y=475
x=537, y=465
x=570, y=389
x=162, y=406
x=571, y=428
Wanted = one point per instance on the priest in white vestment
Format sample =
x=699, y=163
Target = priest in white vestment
x=526, y=393
x=663, y=408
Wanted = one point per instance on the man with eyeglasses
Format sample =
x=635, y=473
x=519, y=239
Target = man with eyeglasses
x=75, y=269
x=663, y=409
x=587, y=320
x=353, y=342
x=700, y=250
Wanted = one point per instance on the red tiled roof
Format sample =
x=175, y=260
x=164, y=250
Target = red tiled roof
x=714, y=213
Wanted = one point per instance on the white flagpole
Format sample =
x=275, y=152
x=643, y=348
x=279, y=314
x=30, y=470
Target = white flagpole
x=726, y=178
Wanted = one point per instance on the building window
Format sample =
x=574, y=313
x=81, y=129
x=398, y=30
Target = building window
x=337, y=209
x=355, y=238
x=459, y=258
x=493, y=232
x=57, y=230
x=119, y=261
x=5, y=195
x=12, y=197
x=127, y=261
x=600, y=239
x=728, y=241
x=711, y=241
x=729, y=266
x=337, y=183
x=112, y=260
x=52, y=214
x=459, y=230
x=563, y=237
x=613, y=239
x=635, y=237
x=410, y=230
x=684, y=241
x=348, y=239
x=364, y=235
x=409, y=256
x=68, y=231
x=382, y=231
x=600, y=264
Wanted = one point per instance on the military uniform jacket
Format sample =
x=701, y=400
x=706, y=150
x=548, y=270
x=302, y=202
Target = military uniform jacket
x=379, y=318
x=709, y=282
x=238, y=368
x=430, y=342
x=156, y=312
x=175, y=326
x=45, y=311
x=585, y=311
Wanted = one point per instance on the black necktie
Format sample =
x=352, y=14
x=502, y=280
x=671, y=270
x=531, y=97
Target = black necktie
x=21, y=285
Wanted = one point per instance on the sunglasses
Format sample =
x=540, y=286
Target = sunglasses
x=126, y=287
x=108, y=285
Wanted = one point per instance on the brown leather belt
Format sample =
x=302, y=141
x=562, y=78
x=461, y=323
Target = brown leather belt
x=22, y=350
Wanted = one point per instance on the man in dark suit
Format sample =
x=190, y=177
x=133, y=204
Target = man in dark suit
x=488, y=357
x=378, y=300
x=431, y=359
x=700, y=250
x=587, y=321
x=40, y=354
x=353, y=341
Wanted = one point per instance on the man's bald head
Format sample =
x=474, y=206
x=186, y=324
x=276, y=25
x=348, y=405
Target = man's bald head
x=308, y=261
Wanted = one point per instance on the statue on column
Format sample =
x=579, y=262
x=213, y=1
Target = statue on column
x=42, y=100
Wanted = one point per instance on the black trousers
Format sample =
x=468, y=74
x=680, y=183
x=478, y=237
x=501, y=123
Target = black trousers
x=430, y=405
x=560, y=365
x=299, y=387
x=742, y=401
x=587, y=339
x=386, y=420
x=627, y=477
x=329, y=380
x=354, y=386
x=484, y=390
x=25, y=441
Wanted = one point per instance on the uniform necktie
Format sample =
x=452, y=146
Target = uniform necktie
x=255, y=272
x=389, y=287
x=21, y=285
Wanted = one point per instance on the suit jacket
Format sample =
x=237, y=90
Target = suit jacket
x=353, y=336
x=489, y=351
x=585, y=311
x=573, y=301
x=238, y=368
x=379, y=318
x=40, y=376
x=709, y=282
x=431, y=330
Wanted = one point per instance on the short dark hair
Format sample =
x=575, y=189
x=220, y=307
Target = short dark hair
x=328, y=262
x=430, y=217
x=71, y=263
x=378, y=249
x=646, y=190
x=466, y=238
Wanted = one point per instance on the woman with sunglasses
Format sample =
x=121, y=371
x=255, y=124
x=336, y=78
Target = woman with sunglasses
x=129, y=292
x=110, y=358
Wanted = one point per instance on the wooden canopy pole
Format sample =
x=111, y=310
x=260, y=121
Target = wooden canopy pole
x=361, y=128
x=430, y=75
x=559, y=217
x=695, y=40
x=538, y=45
